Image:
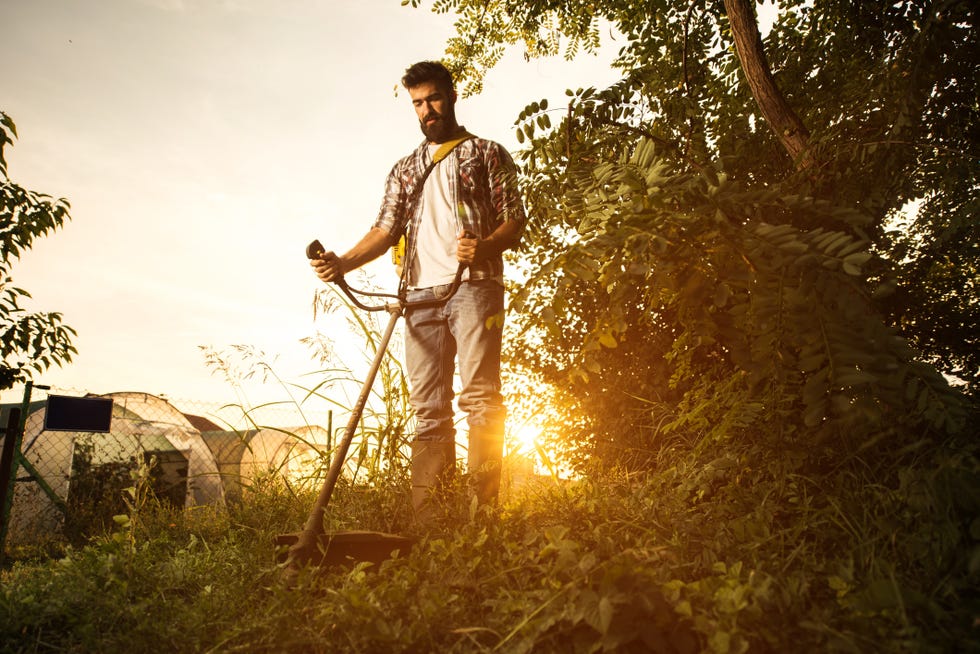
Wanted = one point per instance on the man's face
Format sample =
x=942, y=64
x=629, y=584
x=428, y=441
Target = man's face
x=435, y=110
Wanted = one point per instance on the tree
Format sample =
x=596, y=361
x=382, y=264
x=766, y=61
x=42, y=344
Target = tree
x=750, y=226
x=726, y=283
x=29, y=342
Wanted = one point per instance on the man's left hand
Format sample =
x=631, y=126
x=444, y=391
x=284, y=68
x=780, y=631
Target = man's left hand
x=470, y=249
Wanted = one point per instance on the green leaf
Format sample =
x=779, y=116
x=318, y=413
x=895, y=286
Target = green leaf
x=606, y=611
x=857, y=259
x=812, y=362
x=720, y=642
x=608, y=340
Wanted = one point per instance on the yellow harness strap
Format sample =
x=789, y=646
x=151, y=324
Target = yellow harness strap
x=398, y=250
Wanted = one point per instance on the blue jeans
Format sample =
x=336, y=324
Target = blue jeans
x=434, y=337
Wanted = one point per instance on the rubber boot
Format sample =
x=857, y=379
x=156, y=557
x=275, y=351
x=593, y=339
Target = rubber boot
x=433, y=465
x=484, y=461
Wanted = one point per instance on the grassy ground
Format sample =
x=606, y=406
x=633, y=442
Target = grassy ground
x=700, y=558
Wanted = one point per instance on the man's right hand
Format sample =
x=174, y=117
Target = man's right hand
x=325, y=264
x=329, y=267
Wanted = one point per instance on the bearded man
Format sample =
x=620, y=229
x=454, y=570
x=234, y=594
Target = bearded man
x=455, y=200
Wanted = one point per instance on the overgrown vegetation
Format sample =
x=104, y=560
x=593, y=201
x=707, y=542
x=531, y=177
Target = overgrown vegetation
x=690, y=279
x=701, y=556
x=751, y=352
x=100, y=491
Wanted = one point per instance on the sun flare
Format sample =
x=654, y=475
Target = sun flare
x=524, y=439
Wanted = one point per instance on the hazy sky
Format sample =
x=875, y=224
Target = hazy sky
x=202, y=144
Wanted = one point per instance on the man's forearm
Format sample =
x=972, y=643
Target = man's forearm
x=375, y=243
x=506, y=236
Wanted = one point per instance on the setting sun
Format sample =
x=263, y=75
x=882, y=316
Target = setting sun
x=524, y=438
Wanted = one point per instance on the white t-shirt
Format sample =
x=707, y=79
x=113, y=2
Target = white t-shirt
x=435, y=260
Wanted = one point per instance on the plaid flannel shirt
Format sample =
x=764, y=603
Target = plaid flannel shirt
x=484, y=193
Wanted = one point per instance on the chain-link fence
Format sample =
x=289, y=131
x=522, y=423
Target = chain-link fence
x=68, y=483
x=71, y=483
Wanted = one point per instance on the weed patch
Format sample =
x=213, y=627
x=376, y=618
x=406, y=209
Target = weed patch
x=611, y=563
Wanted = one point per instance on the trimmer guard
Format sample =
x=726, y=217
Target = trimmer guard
x=344, y=548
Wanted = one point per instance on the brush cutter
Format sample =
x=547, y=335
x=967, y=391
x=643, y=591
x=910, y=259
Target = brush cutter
x=312, y=546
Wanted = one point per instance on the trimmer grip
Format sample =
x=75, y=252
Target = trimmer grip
x=315, y=250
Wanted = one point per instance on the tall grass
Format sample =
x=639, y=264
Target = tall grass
x=611, y=562
x=380, y=441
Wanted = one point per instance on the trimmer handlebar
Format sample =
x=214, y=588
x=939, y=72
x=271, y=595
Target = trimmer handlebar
x=315, y=250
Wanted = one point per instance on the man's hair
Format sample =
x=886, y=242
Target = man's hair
x=428, y=71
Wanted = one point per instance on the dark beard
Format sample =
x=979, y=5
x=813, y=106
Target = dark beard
x=442, y=130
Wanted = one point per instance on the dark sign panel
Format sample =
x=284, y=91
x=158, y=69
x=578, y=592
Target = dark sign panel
x=78, y=413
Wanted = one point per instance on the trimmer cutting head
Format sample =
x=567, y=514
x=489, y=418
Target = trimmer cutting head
x=344, y=548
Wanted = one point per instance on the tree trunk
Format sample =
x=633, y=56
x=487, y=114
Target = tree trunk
x=783, y=121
